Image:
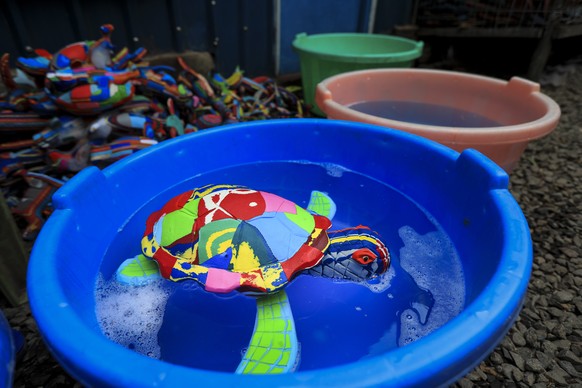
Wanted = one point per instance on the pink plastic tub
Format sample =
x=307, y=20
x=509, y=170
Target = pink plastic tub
x=459, y=110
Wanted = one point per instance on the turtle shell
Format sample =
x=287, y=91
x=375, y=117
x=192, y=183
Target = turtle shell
x=232, y=237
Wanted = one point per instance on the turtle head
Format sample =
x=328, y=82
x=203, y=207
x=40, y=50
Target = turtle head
x=354, y=254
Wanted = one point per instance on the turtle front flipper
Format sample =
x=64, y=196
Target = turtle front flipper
x=273, y=348
x=137, y=271
x=322, y=204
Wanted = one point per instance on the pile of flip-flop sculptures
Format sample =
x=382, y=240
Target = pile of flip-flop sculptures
x=89, y=104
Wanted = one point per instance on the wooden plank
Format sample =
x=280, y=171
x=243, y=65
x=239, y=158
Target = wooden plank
x=13, y=258
x=567, y=31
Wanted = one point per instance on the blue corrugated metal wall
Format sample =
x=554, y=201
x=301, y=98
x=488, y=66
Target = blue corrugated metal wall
x=253, y=34
x=245, y=36
x=316, y=17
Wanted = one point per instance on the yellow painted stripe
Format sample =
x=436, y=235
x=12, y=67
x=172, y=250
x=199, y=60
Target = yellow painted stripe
x=206, y=191
x=215, y=236
x=353, y=238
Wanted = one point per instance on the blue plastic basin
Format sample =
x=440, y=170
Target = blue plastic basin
x=465, y=193
x=6, y=353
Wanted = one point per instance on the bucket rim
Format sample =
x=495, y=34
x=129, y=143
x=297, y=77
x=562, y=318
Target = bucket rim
x=411, y=53
x=507, y=134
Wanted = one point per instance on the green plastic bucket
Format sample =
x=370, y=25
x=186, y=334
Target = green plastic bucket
x=325, y=55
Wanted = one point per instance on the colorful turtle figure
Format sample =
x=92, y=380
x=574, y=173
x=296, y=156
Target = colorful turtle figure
x=231, y=238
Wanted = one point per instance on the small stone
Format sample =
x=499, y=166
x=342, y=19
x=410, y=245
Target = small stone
x=557, y=375
x=507, y=345
x=526, y=352
x=563, y=344
x=563, y=296
x=531, y=337
x=552, y=279
x=477, y=375
x=549, y=325
x=561, y=270
x=549, y=347
x=489, y=371
x=556, y=312
x=518, y=339
x=560, y=331
x=529, y=378
x=534, y=365
x=568, y=355
x=533, y=315
x=518, y=360
x=545, y=360
x=538, y=284
x=519, y=326
x=496, y=358
x=465, y=383
x=512, y=372
x=568, y=368
x=571, y=253
x=542, y=379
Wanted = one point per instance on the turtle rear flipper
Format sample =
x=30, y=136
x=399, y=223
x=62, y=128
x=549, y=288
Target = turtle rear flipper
x=273, y=348
x=321, y=203
x=138, y=271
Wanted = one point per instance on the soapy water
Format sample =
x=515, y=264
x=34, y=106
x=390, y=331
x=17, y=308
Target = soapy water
x=336, y=321
x=424, y=287
x=432, y=261
x=132, y=316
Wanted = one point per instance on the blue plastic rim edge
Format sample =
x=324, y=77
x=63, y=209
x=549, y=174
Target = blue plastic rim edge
x=7, y=351
x=454, y=349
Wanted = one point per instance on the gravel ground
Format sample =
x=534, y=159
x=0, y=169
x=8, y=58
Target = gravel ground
x=544, y=348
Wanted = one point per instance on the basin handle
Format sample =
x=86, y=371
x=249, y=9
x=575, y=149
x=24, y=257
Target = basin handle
x=300, y=36
x=322, y=94
x=522, y=85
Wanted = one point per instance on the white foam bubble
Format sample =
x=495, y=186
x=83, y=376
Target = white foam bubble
x=381, y=283
x=130, y=315
x=432, y=261
x=334, y=170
